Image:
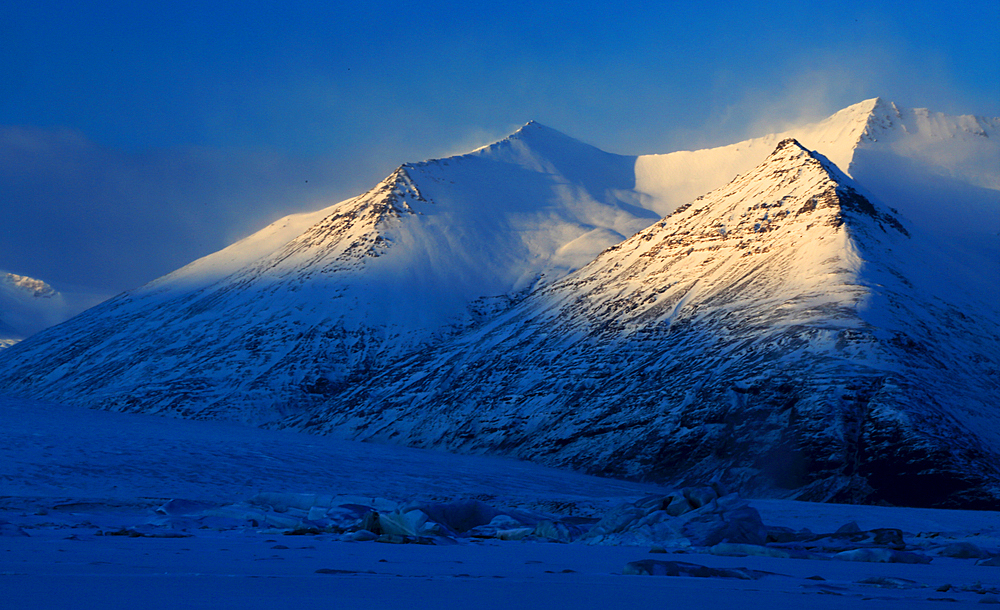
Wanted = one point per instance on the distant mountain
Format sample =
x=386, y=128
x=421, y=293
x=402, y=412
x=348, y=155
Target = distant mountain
x=784, y=333
x=28, y=305
x=822, y=325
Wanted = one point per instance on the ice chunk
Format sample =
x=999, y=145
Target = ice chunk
x=655, y=567
x=881, y=556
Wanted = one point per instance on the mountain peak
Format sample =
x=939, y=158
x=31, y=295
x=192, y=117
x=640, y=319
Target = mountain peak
x=792, y=150
x=790, y=153
x=789, y=143
x=542, y=150
x=534, y=133
x=793, y=191
x=874, y=105
x=537, y=146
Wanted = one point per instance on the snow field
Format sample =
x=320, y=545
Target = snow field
x=68, y=474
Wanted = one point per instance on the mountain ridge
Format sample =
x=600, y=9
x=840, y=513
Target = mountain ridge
x=518, y=383
x=478, y=302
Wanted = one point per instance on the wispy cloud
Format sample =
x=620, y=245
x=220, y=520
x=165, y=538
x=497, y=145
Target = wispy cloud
x=78, y=213
x=812, y=86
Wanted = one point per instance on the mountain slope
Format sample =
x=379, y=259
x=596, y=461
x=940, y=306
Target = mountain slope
x=784, y=332
x=314, y=301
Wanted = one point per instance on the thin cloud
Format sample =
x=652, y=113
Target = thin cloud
x=82, y=214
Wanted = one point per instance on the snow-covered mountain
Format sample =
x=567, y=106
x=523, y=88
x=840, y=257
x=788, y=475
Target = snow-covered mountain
x=314, y=302
x=799, y=328
x=784, y=332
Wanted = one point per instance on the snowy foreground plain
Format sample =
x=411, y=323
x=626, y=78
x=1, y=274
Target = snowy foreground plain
x=111, y=510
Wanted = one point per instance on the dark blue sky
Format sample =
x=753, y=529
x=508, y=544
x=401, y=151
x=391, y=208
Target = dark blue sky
x=218, y=112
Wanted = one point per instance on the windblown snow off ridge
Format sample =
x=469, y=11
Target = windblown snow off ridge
x=823, y=325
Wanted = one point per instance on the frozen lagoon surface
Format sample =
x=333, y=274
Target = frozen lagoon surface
x=86, y=521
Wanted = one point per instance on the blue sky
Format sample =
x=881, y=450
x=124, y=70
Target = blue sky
x=136, y=138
